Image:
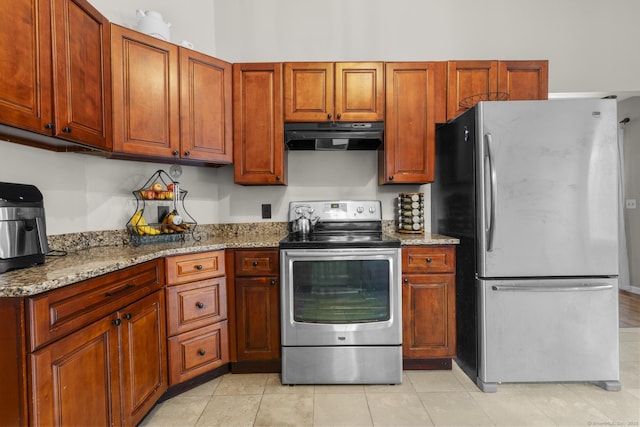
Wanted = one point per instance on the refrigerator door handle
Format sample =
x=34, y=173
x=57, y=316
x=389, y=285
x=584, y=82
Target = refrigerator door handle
x=557, y=288
x=492, y=192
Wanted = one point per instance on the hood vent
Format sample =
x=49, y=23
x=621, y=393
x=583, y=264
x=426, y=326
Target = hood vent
x=333, y=136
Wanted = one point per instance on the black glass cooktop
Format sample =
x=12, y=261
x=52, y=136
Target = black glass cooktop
x=339, y=240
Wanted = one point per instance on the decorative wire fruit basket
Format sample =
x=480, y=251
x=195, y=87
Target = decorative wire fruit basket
x=472, y=100
x=171, y=223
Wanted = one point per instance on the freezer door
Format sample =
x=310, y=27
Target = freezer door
x=548, y=330
x=547, y=186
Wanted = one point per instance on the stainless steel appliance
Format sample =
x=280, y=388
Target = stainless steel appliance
x=341, y=297
x=530, y=189
x=23, y=235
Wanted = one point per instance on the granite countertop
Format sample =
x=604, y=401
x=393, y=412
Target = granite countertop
x=87, y=262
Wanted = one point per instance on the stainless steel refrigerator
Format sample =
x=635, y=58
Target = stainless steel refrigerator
x=531, y=190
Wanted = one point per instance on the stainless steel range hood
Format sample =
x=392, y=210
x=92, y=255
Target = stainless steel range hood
x=333, y=136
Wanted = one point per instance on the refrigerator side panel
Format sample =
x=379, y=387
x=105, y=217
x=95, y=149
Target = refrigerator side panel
x=453, y=213
x=549, y=330
x=548, y=179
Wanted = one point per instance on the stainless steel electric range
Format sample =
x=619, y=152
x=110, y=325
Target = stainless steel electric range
x=340, y=295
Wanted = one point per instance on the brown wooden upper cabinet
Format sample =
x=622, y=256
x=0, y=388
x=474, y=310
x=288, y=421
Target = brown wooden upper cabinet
x=414, y=91
x=258, y=127
x=327, y=91
x=62, y=92
x=470, y=81
x=206, y=130
x=169, y=102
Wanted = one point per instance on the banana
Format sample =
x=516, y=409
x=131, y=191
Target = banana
x=138, y=221
x=141, y=226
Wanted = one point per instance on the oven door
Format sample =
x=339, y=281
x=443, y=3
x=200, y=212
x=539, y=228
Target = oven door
x=341, y=297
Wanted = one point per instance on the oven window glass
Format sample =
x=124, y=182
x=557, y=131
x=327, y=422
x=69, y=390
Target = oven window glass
x=341, y=291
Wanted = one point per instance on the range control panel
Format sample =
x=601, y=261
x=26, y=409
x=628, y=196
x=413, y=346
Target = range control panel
x=337, y=210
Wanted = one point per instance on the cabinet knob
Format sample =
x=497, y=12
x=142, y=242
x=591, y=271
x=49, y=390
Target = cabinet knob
x=127, y=316
x=329, y=116
x=339, y=116
x=49, y=126
x=199, y=267
x=66, y=129
x=277, y=177
x=187, y=153
x=255, y=263
x=116, y=322
x=391, y=178
x=429, y=260
x=406, y=280
x=175, y=153
x=273, y=282
x=201, y=352
x=199, y=305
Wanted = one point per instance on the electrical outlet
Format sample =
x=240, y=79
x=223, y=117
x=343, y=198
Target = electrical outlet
x=631, y=203
x=266, y=211
x=162, y=212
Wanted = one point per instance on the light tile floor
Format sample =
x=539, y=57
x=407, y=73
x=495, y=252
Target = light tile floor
x=425, y=398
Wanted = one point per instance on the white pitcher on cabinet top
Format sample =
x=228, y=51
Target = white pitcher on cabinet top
x=150, y=22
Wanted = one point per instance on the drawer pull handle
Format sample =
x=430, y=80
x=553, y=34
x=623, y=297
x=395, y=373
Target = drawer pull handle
x=429, y=260
x=255, y=263
x=116, y=322
x=199, y=305
x=123, y=289
x=127, y=316
x=201, y=352
x=406, y=280
x=199, y=267
x=273, y=282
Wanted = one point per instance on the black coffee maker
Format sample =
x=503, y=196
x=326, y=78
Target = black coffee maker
x=23, y=234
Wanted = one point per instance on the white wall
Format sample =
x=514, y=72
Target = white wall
x=589, y=45
x=631, y=108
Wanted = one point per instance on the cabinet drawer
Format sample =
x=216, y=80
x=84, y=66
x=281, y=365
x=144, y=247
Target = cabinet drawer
x=192, y=267
x=257, y=263
x=428, y=259
x=61, y=311
x=193, y=305
x=196, y=352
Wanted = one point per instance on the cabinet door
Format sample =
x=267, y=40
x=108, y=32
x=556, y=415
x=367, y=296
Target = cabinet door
x=359, y=91
x=308, y=92
x=428, y=316
x=145, y=94
x=466, y=79
x=205, y=107
x=144, y=356
x=82, y=73
x=257, y=318
x=26, y=69
x=524, y=80
x=409, y=147
x=74, y=381
x=258, y=126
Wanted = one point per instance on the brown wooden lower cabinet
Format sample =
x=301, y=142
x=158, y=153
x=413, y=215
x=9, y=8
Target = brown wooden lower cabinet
x=111, y=372
x=198, y=337
x=255, y=338
x=428, y=306
x=78, y=379
x=74, y=380
x=91, y=353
